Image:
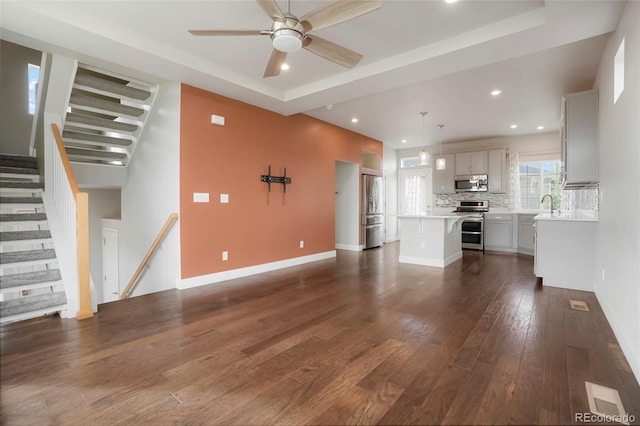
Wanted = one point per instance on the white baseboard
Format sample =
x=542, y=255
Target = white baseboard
x=630, y=353
x=439, y=263
x=351, y=247
x=217, y=277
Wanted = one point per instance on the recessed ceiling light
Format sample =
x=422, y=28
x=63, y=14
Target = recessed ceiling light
x=403, y=141
x=354, y=120
x=284, y=66
x=514, y=126
x=540, y=127
x=496, y=92
x=450, y=1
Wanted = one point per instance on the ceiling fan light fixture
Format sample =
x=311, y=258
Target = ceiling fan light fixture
x=287, y=40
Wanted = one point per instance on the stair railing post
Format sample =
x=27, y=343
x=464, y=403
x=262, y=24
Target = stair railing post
x=84, y=272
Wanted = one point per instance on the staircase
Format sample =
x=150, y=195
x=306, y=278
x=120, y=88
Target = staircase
x=30, y=282
x=106, y=116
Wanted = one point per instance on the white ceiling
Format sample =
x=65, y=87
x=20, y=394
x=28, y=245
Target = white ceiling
x=418, y=56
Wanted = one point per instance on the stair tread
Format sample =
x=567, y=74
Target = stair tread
x=32, y=303
x=19, y=170
x=79, y=136
x=27, y=255
x=81, y=99
x=20, y=200
x=100, y=122
x=23, y=217
x=24, y=235
x=107, y=84
x=30, y=278
x=96, y=153
x=21, y=161
x=25, y=185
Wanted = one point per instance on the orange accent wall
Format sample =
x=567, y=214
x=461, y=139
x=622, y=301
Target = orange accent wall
x=256, y=227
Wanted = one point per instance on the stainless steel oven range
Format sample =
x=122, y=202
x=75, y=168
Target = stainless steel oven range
x=473, y=223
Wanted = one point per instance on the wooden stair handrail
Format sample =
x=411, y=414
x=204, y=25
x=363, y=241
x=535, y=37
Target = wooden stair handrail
x=65, y=159
x=147, y=258
x=82, y=231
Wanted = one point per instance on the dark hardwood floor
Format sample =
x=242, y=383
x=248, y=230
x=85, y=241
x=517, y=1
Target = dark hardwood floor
x=356, y=339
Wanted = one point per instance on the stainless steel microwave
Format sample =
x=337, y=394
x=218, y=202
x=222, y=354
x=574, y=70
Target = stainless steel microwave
x=472, y=183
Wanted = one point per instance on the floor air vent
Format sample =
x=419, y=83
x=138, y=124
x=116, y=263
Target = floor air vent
x=579, y=305
x=605, y=402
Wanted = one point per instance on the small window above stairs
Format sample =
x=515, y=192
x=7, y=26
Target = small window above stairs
x=106, y=116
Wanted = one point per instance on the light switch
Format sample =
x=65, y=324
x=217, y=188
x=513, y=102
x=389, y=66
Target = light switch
x=200, y=197
x=224, y=198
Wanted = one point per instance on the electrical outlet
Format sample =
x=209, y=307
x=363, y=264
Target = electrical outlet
x=602, y=274
x=301, y=244
x=225, y=255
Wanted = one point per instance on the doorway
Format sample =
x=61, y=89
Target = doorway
x=110, y=283
x=347, y=206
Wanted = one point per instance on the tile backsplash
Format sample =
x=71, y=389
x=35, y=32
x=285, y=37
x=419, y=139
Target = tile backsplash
x=575, y=199
x=580, y=199
x=450, y=200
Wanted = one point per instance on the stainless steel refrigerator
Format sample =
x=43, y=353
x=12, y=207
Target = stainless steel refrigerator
x=372, y=211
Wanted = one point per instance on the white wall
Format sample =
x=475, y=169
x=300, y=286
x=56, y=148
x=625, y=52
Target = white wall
x=347, y=205
x=390, y=167
x=151, y=193
x=103, y=203
x=618, y=242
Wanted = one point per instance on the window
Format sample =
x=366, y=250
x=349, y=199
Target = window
x=538, y=178
x=33, y=75
x=414, y=191
x=408, y=162
x=618, y=72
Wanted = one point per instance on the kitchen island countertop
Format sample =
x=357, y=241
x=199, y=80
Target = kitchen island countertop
x=574, y=216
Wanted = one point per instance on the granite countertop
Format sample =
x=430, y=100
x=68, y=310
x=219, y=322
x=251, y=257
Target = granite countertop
x=575, y=216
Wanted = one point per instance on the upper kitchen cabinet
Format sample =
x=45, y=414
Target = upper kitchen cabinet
x=471, y=163
x=498, y=170
x=579, y=138
x=444, y=180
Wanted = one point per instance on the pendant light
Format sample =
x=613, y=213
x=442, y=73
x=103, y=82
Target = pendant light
x=441, y=162
x=425, y=157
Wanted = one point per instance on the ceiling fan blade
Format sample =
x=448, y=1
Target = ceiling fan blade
x=331, y=51
x=227, y=32
x=275, y=62
x=272, y=9
x=336, y=12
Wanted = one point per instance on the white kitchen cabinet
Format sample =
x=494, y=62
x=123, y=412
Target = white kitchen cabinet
x=579, y=138
x=565, y=253
x=498, y=232
x=444, y=180
x=526, y=234
x=471, y=163
x=497, y=170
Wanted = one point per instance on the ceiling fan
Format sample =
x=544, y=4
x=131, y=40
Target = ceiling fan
x=290, y=33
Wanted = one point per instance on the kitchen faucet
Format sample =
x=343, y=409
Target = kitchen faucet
x=550, y=198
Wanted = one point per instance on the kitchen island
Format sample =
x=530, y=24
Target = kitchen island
x=430, y=240
x=565, y=249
